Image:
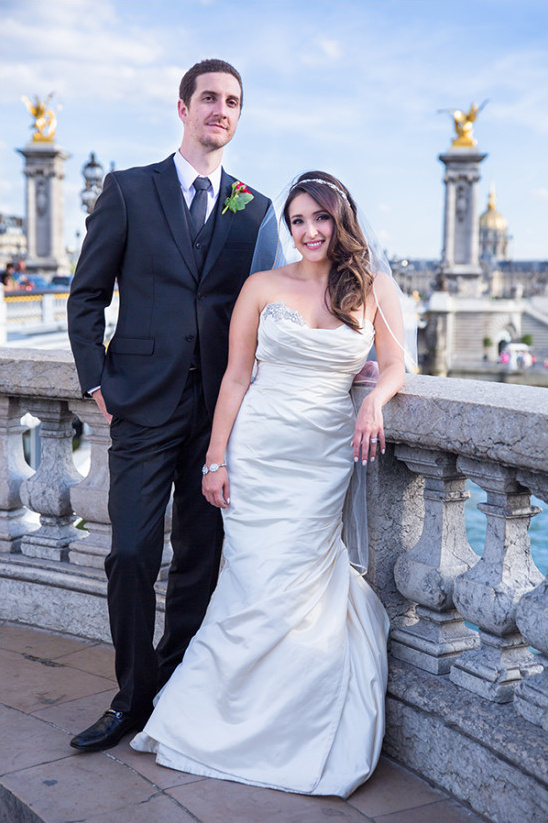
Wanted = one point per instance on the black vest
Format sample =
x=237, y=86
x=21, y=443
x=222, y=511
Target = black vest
x=202, y=241
x=200, y=246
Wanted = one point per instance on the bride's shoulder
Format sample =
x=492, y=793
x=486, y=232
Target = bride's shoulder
x=384, y=286
x=262, y=284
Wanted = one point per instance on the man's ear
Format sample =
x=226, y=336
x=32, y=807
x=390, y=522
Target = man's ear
x=182, y=110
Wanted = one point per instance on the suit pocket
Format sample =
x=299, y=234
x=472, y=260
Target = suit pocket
x=131, y=345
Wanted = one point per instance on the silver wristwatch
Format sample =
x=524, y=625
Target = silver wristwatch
x=214, y=467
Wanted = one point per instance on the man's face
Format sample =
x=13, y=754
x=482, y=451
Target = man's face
x=212, y=115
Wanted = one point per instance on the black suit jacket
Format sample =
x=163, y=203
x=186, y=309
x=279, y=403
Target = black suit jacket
x=138, y=236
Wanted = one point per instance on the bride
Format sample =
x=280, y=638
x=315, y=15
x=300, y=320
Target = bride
x=283, y=685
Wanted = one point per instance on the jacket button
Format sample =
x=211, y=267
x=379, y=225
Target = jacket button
x=197, y=245
x=201, y=295
x=190, y=338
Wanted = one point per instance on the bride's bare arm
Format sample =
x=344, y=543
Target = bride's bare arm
x=390, y=358
x=235, y=383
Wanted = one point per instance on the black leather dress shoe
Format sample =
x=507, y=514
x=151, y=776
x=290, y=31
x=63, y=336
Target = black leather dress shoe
x=107, y=732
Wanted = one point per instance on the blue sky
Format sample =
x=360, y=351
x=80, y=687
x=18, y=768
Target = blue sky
x=349, y=86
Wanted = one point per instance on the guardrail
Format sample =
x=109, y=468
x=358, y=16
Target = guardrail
x=468, y=688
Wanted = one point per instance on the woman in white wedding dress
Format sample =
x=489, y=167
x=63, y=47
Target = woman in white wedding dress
x=283, y=685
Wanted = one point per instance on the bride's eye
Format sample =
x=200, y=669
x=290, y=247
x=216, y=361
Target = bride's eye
x=324, y=217
x=296, y=221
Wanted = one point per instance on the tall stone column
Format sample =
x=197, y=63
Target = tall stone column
x=460, y=266
x=45, y=171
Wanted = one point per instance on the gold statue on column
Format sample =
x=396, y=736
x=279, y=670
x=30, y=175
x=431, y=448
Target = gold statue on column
x=45, y=121
x=463, y=125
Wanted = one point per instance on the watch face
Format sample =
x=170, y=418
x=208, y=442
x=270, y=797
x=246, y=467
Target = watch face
x=214, y=467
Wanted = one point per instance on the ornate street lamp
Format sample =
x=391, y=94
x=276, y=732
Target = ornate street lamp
x=93, y=174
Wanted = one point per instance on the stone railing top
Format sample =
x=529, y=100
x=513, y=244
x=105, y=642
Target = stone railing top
x=38, y=373
x=483, y=420
x=486, y=421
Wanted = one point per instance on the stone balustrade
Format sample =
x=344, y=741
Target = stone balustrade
x=467, y=702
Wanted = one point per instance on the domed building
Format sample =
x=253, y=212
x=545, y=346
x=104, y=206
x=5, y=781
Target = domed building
x=493, y=231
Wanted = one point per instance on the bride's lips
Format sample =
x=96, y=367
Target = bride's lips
x=315, y=244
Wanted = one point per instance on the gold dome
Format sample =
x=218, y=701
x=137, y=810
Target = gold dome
x=492, y=219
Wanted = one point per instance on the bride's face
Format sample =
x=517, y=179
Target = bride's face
x=311, y=227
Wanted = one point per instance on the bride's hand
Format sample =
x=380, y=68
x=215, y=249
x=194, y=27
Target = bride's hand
x=215, y=488
x=369, y=431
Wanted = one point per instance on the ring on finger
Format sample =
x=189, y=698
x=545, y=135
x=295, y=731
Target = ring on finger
x=373, y=439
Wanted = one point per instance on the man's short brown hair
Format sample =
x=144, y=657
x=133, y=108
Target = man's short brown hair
x=187, y=86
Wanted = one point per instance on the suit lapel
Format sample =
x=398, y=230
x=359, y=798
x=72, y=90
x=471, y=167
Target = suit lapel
x=171, y=199
x=223, y=222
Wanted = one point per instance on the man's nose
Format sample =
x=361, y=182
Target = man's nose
x=221, y=109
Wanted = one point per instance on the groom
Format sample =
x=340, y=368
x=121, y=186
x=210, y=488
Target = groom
x=179, y=259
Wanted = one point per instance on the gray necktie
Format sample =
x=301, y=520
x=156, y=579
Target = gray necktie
x=198, y=207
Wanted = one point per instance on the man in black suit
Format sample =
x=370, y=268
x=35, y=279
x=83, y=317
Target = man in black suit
x=160, y=232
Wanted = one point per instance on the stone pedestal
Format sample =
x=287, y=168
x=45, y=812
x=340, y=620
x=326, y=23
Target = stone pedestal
x=45, y=170
x=460, y=268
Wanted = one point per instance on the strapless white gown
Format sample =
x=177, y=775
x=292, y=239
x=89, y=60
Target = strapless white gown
x=283, y=685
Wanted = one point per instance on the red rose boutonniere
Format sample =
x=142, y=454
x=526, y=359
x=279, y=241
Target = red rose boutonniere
x=239, y=198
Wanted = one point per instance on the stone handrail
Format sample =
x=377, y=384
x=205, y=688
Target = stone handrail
x=463, y=627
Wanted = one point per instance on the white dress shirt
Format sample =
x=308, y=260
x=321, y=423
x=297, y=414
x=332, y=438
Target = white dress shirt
x=187, y=174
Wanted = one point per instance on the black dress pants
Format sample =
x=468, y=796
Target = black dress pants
x=144, y=464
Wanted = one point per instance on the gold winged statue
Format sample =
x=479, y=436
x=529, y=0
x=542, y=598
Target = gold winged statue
x=45, y=120
x=463, y=125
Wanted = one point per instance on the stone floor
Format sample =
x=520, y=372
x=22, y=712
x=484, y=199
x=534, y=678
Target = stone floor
x=53, y=686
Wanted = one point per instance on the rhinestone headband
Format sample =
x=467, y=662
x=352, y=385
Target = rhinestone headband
x=324, y=183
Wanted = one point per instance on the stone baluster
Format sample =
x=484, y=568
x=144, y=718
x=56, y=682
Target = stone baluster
x=426, y=574
x=531, y=695
x=14, y=522
x=488, y=594
x=48, y=490
x=90, y=497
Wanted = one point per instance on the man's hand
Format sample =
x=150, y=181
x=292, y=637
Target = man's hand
x=99, y=399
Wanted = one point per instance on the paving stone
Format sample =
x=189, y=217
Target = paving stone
x=27, y=741
x=221, y=801
x=97, y=659
x=445, y=812
x=145, y=764
x=159, y=809
x=58, y=784
x=78, y=787
x=30, y=684
x=392, y=788
x=76, y=715
x=38, y=643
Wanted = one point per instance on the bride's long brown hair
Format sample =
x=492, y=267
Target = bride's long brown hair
x=350, y=278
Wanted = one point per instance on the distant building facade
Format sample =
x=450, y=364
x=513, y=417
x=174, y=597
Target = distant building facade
x=13, y=240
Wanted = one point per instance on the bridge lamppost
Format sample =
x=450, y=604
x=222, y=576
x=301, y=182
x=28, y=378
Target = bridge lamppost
x=93, y=174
